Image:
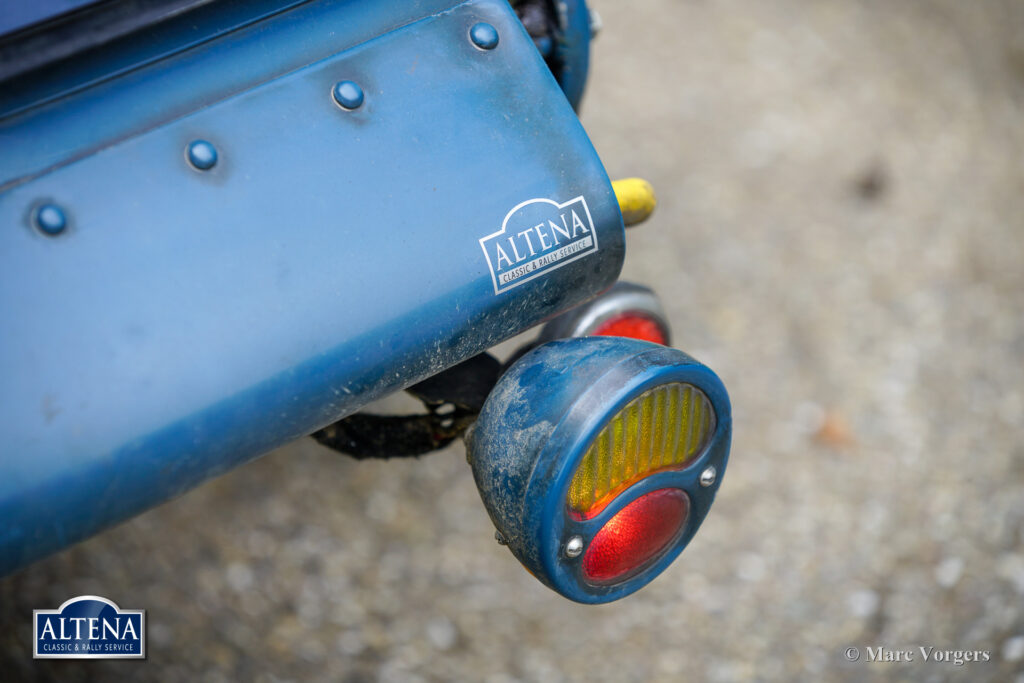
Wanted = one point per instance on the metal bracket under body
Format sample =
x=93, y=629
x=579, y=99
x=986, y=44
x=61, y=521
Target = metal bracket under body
x=453, y=400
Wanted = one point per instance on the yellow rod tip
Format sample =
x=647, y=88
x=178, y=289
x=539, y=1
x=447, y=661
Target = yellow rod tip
x=636, y=199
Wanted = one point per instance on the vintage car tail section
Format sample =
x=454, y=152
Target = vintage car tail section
x=216, y=244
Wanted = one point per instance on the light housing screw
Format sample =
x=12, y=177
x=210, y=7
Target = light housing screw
x=708, y=476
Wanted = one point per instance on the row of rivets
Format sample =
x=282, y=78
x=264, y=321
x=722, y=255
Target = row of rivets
x=202, y=155
x=350, y=96
x=50, y=218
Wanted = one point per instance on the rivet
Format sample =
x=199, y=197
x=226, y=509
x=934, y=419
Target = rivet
x=484, y=36
x=708, y=476
x=348, y=95
x=574, y=546
x=50, y=219
x=202, y=155
x=500, y=538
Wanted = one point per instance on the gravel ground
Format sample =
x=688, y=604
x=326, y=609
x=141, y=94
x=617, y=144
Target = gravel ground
x=841, y=237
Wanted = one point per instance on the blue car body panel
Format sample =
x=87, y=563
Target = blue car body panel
x=186, y=321
x=16, y=16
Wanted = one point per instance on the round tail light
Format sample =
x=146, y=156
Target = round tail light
x=626, y=310
x=592, y=456
x=634, y=325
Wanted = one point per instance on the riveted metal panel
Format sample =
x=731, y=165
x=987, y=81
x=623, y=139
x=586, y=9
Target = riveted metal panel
x=184, y=321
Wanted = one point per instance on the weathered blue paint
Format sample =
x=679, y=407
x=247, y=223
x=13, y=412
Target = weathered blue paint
x=19, y=15
x=203, y=57
x=538, y=423
x=191, y=321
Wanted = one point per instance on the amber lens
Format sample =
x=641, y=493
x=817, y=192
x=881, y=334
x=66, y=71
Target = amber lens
x=662, y=429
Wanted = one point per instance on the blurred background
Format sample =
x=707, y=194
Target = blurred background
x=840, y=236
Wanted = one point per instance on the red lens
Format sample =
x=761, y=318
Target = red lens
x=632, y=325
x=635, y=536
